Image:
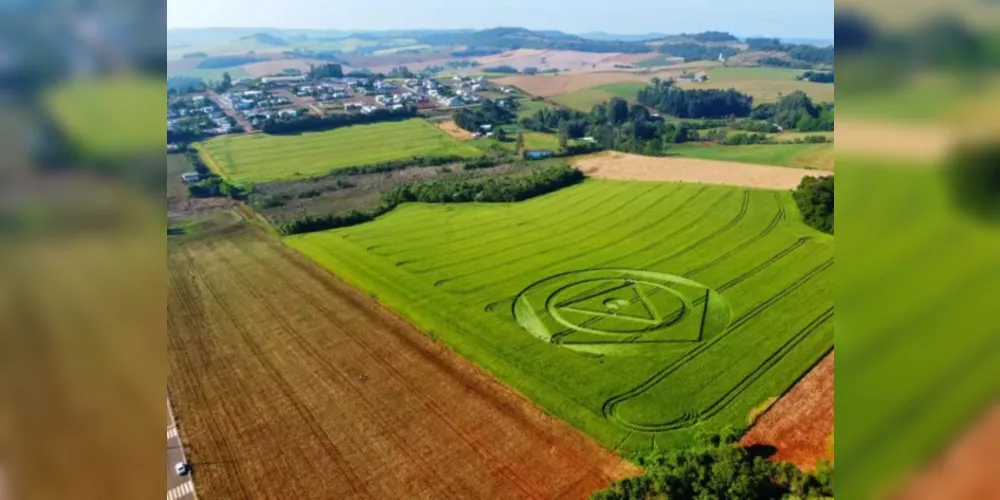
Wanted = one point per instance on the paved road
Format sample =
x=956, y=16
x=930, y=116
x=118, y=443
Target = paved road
x=229, y=110
x=177, y=486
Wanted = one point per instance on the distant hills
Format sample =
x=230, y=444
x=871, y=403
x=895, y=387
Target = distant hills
x=265, y=39
x=522, y=38
x=604, y=36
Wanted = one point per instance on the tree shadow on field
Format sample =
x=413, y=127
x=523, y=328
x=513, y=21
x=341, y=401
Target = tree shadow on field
x=764, y=451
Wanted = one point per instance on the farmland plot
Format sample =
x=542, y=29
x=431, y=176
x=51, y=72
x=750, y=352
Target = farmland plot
x=289, y=384
x=263, y=158
x=641, y=313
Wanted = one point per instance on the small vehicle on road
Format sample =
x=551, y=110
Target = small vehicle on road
x=182, y=468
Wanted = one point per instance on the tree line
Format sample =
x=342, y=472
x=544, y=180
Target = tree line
x=472, y=119
x=328, y=70
x=817, y=76
x=796, y=111
x=613, y=125
x=799, y=52
x=663, y=96
x=718, y=468
x=504, y=189
x=814, y=197
x=311, y=123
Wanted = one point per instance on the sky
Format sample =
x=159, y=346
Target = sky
x=782, y=18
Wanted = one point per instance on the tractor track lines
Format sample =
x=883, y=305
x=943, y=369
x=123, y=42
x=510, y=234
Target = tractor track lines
x=430, y=405
x=602, y=247
x=501, y=222
x=396, y=329
x=330, y=368
x=215, y=428
x=479, y=231
x=609, y=408
x=477, y=253
x=288, y=392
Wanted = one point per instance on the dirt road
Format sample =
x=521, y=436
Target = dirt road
x=230, y=111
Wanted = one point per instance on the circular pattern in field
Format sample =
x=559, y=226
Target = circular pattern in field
x=619, y=311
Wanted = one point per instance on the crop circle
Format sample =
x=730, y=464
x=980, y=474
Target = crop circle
x=619, y=311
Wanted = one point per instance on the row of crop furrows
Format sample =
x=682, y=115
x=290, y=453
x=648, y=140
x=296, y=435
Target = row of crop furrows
x=610, y=406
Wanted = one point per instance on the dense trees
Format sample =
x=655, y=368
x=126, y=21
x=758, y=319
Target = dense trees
x=796, y=111
x=500, y=69
x=716, y=468
x=713, y=36
x=814, y=196
x=472, y=119
x=698, y=103
x=504, y=189
x=697, y=51
x=817, y=76
x=329, y=70
x=313, y=123
x=798, y=52
x=476, y=52
x=763, y=44
x=811, y=54
x=184, y=84
x=226, y=61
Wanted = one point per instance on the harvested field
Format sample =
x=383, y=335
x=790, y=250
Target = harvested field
x=449, y=127
x=895, y=140
x=551, y=85
x=800, y=424
x=563, y=60
x=289, y=384
x=764, y=84
x=264, y=68
x=644, y=168
x=966, y=470
x=807, y=155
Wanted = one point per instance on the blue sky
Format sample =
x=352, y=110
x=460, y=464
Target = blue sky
x=784, y=18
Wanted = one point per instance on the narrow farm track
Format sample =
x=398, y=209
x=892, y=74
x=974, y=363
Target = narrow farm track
x=461, y=275
x=291, y=385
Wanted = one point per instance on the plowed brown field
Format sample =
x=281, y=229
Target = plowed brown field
x=799, y=425
x=287, y=383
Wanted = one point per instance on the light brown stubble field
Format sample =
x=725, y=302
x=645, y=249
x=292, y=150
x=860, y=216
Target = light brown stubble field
x=624, y=166
x=800, y=424
x=287, y=383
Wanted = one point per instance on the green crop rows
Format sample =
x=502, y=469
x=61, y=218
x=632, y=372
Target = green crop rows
x=641, y=313
x=262, y=158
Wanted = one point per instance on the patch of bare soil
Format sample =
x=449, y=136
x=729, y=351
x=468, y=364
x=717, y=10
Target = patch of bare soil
x=799, y=425
x=449, y=127
x=624, y=166
x=966, y=470
x=563, y=83
x=930, y=142
x=264, y=68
